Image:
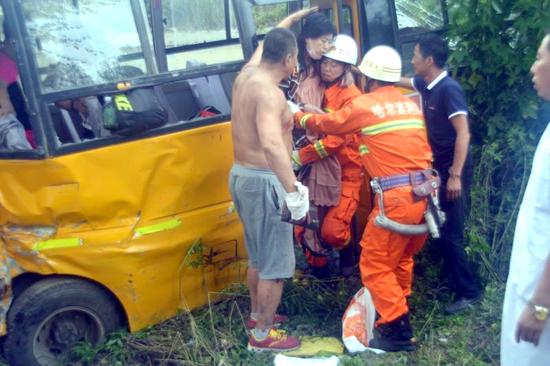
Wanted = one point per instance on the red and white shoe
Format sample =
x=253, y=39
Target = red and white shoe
x=278, y=319
x=276, y=341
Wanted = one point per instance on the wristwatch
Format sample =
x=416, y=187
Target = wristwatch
x=541, y=312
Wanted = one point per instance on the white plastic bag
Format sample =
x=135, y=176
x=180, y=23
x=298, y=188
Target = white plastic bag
x=358, y=322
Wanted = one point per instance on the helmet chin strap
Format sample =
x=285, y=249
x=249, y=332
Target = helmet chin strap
x=328, y=84
x=368, y=85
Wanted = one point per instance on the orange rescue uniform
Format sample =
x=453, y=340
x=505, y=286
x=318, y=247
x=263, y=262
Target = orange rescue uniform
x=336, y=229
x=393, y=141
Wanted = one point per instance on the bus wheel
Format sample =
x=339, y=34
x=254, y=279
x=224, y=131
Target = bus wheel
x=47, y=319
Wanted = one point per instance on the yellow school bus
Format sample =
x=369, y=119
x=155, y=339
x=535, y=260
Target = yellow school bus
x=101, y=229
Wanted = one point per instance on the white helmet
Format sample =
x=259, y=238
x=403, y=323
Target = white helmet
x=382, y=63
x=344, y=49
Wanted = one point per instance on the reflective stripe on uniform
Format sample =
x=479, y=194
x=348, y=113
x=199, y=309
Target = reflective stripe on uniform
x=320, y=148
x=403, y=124
x=296, y=159
x=363, y=149
x=304, y=119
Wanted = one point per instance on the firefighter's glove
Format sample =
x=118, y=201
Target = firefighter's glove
x=293, y=107
x=298, y=202
x=296, y=162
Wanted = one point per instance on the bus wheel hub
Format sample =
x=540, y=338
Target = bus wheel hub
x=65, y=332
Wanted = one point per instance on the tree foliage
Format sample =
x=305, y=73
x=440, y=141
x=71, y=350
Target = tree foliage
x=495, y=43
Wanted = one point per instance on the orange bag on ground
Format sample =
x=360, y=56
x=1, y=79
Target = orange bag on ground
x=358, y=322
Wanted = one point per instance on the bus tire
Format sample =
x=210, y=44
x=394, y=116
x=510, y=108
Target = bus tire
x=52, y=315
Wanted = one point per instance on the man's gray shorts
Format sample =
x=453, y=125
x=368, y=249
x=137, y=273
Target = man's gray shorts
x=258, y=196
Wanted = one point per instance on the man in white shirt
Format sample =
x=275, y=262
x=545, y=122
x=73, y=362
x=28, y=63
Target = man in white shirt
x=525, y=338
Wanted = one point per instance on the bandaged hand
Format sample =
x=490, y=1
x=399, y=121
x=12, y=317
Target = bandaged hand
x=298, y=202
x=293, y=107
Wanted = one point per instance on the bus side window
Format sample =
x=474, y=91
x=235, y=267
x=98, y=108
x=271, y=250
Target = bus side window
x=418, y=15
x=76, y=120
x=347, y=26
x=196, y=32
x=83, y=43
x=188, y=97
x=414, y=18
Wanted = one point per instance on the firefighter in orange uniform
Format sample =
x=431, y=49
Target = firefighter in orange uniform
x=394, y=150
x=336, y=74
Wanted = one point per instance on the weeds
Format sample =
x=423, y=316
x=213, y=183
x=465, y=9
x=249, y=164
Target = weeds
x=216, y=335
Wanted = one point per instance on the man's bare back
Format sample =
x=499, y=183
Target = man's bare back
x=258, y=107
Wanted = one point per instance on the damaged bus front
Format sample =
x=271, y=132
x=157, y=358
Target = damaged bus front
x=117, y=213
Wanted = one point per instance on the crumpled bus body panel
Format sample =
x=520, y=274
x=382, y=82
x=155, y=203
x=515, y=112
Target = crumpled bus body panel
x=151, y=220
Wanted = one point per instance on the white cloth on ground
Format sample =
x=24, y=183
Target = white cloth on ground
x=282, y=360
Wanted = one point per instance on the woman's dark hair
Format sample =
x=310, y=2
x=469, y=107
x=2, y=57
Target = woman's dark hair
x=315, y=26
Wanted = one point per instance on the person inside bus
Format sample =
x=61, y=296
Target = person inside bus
x=15, y=128
x=86, y=115
x=12, y=133
x=83, y=113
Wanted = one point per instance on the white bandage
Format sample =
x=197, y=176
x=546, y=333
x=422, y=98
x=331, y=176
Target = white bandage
x=293, y=107
x=298, y=202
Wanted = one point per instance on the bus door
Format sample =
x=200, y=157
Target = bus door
x=414, y=19
x=400, y=23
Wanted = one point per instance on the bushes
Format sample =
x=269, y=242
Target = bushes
x=495, y=43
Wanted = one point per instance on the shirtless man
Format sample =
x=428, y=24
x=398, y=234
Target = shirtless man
x=262, y=179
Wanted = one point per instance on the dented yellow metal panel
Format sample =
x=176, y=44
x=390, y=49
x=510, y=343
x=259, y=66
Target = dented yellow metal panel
x=130, y=217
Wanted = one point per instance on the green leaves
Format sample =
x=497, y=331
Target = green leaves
x=496, y=43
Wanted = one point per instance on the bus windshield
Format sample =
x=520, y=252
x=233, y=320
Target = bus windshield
x=85, y=42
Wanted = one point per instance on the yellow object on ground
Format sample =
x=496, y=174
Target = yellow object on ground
x=313, y=346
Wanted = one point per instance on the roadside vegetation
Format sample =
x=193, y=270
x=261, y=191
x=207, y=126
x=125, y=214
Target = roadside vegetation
x=495, y=44
x=216, y=335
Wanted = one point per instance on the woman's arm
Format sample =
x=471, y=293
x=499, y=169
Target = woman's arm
x=285, y=23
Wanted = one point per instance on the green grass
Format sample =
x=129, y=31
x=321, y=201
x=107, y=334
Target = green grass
x=215, y=334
